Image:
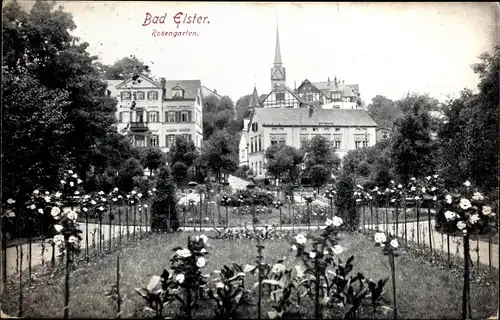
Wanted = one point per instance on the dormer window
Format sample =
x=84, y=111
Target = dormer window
x=125, y=95
x=177, y=93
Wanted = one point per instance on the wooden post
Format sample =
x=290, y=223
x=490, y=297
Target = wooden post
x=118, y=302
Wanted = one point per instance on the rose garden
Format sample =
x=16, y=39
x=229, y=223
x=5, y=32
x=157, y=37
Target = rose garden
x=93, y=226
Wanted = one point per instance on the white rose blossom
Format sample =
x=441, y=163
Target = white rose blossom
x=200, y=263
x=58, y=239
x=461, y=225
x=474, y=218
x=11, y=201
x=40, y=211
x=467, y=183
x=478, y=196
x=180, y=278
x=337, y=249
x=300, y=238
x=184, y=253
x=337, y=221
x=448, y=199
x=312, y=254
x=487, y=211
x=465, y=204
x=394, y=243
x=380, y=238
x=58, y=227
x=72, y=239
x=36, y=192
x=294, y=248
x=72, y=215
x=204, y=238
x=450, y=215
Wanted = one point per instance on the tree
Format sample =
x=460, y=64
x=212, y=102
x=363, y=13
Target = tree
x=413, y=150
x=220, y=154
x=34, y=130
x=219, y=114
x=131, y=168
x=39, y=43
x=319, y=175
x=282, y=160
x=346, y=202
x=154, y=159
x=179, y=172
x=164, y=214
x=470, y=138
x=384, y=111
x=318, y=151
x=183, y=151
x=125, y=68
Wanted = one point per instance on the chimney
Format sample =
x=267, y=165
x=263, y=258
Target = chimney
x=328, y=81
x=215, y=91
x=163, y=83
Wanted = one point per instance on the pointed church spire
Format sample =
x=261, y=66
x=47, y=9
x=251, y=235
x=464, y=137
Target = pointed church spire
x=254, y=99
x=277, y=53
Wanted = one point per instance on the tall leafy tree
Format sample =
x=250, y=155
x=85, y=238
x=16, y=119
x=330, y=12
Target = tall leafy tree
x=282, y=161
x=220, y=154
x=164, y=213
x=40, y=43
x=183, y=151
x=154, y=158
x=413, y=150
x=318, y=151
x=125, y=68
x=384, y=111
x=34, y=128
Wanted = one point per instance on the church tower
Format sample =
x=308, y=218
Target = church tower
x=278, y=75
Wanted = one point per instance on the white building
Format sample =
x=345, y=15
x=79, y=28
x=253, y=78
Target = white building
x=153, y=113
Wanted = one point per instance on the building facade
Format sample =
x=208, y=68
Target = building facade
x=345, y=129
x=383, y=133
x=153, y=113
x=330, y=94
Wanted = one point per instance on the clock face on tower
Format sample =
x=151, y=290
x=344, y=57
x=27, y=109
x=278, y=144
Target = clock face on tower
x=278, y=74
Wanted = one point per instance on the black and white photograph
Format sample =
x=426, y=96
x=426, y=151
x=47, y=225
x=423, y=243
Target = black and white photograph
x=250, y=160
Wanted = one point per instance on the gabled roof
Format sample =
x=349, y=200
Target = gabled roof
x=314, y=117
x=281, y=88
x=141, y=77
x=306, y=81
x=190, y=88
x=335, y=86
x=207, y=92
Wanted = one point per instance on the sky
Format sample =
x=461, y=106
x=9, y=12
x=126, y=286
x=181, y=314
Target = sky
x=387, y=48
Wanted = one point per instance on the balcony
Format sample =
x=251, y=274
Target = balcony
x=139, y=126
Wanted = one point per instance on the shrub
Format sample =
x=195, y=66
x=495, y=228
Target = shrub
x=164, y=214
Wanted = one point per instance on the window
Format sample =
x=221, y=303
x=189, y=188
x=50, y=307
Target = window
x=251, y=145
x=178, y=93
x=184, y=116
x=327, y=129
x=303, y=129
x=139, y=95
x=260, y=167
x=365, y=144
x=337, y=129
x=170, y=116
x=170, y=140
x=260, y=143
x=140, y=141
x=315, y=129
x=357, y=144
x=280, y=96
x=384, y=135
x=139, y=116
x=186, y=137
x=282, y=142
x=153, y=116
x=274, y=142
x=336, y=144
x=121, y=117
x=125, y=95
x=152, y=95
x=153, y=141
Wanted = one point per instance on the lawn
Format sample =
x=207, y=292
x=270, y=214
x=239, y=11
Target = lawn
x=424, y=291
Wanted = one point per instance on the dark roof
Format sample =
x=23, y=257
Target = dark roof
x=309, y=117
x=190, y=88
x=335, y=86
x=281, y=88
x=254, y=99
x=123, y=82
